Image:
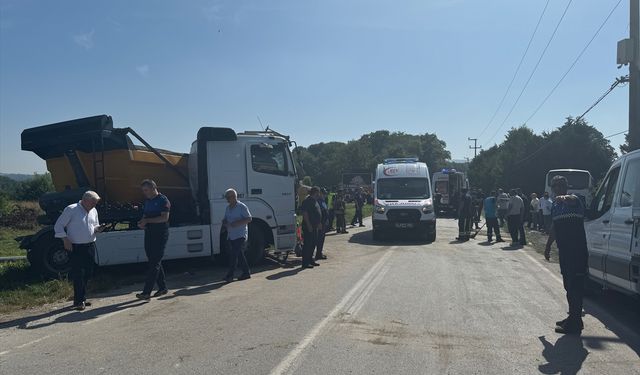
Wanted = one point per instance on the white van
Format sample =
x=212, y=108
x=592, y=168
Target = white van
x=613, y=227
x=403, y=199
x=580, y=183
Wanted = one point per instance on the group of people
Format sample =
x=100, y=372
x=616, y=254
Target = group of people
x=78, y=225
x=561, y=217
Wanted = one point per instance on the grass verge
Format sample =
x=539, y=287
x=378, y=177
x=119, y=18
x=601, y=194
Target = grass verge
x=8, y=244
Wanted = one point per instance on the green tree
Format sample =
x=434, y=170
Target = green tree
x=32, y=189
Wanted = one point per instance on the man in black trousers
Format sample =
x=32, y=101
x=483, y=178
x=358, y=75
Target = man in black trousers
x=155, y=222
x=311, y=223
x=567, y=229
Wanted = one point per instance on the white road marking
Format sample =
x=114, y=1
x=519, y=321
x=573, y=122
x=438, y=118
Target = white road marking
x=5, y=352
x=33, y=342
x=545, y=269
x=360, y=301
x=289, y=361
x=102, y=317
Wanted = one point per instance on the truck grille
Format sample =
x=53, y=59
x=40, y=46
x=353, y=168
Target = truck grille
x=404, y=215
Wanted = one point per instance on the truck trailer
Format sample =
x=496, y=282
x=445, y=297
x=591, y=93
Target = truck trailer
x=90, y=154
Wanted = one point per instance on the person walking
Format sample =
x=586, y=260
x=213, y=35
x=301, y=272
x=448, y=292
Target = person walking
x=77, y=227
x=491, y=217
x=324, y=225
x=339, y=210
x=503, y=206
x=514, y=217
x=567, y=230
x=236, y=220
x=465, y=216
x=155, y=222
x=545, y=207
x=311, y=222
x=535, y=207
x=358, y=200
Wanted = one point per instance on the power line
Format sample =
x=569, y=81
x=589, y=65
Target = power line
x=535, y=68
x=613, y=86
x=574, y=62
x=613, y=135
x=535, y=30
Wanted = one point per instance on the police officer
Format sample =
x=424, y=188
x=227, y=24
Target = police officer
x=311, y=223
x=155, y=222
x=465, y=216
x=567, y=229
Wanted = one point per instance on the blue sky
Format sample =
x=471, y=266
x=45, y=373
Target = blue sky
x=317, y=70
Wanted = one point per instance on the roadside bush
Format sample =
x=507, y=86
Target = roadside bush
x=5, y=204
x=20, y=215
x=32, y=189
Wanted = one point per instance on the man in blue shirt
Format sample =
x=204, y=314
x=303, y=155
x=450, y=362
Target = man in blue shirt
x=155, y=222
x=491, y=216
x=236, y=219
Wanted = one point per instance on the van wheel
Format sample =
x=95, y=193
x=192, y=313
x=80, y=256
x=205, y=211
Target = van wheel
x=431, y=237
x=255, y=245
x=50, y=257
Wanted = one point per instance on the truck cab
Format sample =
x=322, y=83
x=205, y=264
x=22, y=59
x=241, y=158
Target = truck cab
x=403, y=199
x=613, y=227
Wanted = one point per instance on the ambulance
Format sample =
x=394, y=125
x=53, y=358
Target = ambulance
x=403, y=199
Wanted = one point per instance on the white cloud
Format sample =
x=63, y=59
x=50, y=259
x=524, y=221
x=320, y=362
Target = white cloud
x=143, y=70
x=84, y=40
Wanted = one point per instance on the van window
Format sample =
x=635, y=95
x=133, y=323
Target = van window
x=577, y=180
x=271, y=159
x=604, y=196
x=631, y=183
x=403, y=188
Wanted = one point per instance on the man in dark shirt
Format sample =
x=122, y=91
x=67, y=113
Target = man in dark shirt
x=465, y=216
x=359, y=202
x=155, y=222
x=311, y=223
x=567, y=229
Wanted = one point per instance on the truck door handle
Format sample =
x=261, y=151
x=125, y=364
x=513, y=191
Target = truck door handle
x=628, y=221
x=605, y=221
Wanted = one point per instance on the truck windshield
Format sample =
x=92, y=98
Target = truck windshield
x=577, y=180
x=403, y=188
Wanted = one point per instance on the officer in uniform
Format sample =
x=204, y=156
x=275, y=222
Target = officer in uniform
x=567, y=229
x=465, y=216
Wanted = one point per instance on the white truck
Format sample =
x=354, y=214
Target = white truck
x=613, y=227
x=403, y=199
x=259, y=165
x=580, y=182
x=447, y=185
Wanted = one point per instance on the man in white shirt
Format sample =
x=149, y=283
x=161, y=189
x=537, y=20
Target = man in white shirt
x=545, y=207
x=514, y=218
x=77, y=227
x=502, y=205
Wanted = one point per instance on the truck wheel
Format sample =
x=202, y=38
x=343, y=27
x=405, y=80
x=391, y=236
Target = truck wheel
x=50, y=257
x=255, y=245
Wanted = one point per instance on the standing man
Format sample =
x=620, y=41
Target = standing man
x=514, y=216
x=490, y=215
x=324, y=224
x=359, y=202
x=236, y=219
x=339, y=210
x=155, y=222
x=465, y=216
x=535, y=207
x=545, y=207
x=567, y=230
x=332, y=215
x=77, y=227
x=503, y=206
x=311, y=223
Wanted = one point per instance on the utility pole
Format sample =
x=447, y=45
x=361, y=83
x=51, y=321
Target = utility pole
x=634, y=76
x=475, y=146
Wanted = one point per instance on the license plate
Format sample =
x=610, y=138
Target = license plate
x=404, y=225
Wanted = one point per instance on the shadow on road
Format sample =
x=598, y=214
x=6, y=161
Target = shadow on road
x=565, y=357
x=408, y=238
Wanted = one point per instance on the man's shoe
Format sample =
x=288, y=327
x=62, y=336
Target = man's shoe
x=79, y=307
x=562, y=323
x=160, y=293
x=361, y=225
x=307, y=266
x=489, y=239
x=569, y=329
x=228, y=279
x=322, y=257
x=315, y=264
x=499, y=240
x=345, y=232
x=244, y=277
x=143, y=296
x=87, y=303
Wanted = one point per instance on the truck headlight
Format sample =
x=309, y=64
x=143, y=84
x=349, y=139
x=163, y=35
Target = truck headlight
x=427, y=209
x=379, y=209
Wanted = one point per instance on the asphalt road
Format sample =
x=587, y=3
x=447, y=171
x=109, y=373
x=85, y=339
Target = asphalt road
x=388, y=308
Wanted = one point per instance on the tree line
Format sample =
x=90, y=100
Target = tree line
x=521, y=160
x=28, y=190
